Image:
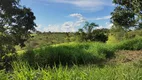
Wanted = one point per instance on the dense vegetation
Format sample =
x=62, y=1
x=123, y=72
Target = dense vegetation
x=78, y=61
x=89, y=54
x=23, y=71
x=48, y=38
x=16, y=24
x=78, y=53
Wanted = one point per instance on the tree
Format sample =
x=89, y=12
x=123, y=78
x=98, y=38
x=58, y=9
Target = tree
x=118, y=32
x=86, y=31
x=16, y=24
x=81, y=34
x=100, y=35
x=127, y=14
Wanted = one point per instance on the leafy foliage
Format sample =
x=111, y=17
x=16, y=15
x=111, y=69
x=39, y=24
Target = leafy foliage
x=133, y=34
x=88, y=29
x=127, y=14
x=130, y=44
x=118, y=32
x=100, y=35
x=86, y=32
x=16, y=23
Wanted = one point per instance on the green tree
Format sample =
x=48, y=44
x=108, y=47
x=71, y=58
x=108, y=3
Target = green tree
x=86, y=31
x=100, y=35
x=127, y=14
x=81, y=34
x=88, y=28
x=16, y=24
x=118, y=32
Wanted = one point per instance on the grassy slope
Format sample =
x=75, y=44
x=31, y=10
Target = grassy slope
x=115, y=69
x=44, y=39
x=69, y=54
x=78, y=53
x=121, y=71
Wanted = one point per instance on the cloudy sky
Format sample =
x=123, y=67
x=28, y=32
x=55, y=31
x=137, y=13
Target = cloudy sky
x=69, y=15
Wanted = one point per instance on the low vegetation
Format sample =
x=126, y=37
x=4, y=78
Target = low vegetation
x=78, y=53
x=123, y=71
x=89, y=54
x=69, y=54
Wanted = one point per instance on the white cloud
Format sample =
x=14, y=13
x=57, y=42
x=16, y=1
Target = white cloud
x=76, y=15
x=71, y=26
x=82, y=3
x=109, y=25
x=92, y=5
x=80, y=17
x=100, y=18
x=38, y=27
x=99, y=27
x=68, y=26
x=52, y=28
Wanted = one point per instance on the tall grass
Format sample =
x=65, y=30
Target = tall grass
x=69, y=54
x=130, y=44
x=23, y=71
x=78, y=53
x=75, y=54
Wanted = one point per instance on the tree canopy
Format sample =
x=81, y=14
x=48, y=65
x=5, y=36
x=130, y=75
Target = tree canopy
x=16, y=23
x=127, y=14
x=88, y=29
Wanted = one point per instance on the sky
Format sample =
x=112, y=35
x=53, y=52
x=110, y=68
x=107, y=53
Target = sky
x=69, y=15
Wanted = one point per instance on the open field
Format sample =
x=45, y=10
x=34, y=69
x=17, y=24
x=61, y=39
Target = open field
x=70, y=39
x=115, y=69
x=80, y=61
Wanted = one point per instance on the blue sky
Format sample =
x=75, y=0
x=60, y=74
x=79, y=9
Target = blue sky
x=69, y=15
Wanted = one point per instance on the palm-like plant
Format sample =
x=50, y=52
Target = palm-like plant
x=88, y=28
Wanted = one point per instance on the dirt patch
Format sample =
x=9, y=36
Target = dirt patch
x=125, y=56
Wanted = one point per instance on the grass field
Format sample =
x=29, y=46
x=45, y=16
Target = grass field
x=125, y=71
x=79, y=61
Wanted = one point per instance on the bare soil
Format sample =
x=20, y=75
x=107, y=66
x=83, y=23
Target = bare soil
x=125, y=56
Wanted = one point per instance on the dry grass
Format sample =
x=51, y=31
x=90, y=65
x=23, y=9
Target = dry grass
x=125, y=56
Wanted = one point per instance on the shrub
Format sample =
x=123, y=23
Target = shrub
x=131, y=44
x=133, y=34
x=78, y=53
x=100, y=35
x=69, y=54
x=112, y=39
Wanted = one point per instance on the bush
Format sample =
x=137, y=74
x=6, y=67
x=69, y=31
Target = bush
x=100, y=35
x=78, y=53
x=133, y=34
x=69, y=54
x=112, y=39
x=131, y=44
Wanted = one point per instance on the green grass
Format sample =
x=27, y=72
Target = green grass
x=130, y=44
x=78, y=53
x=43, y=39
x=69, y=54
x=53, y=62
x=23, y=71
